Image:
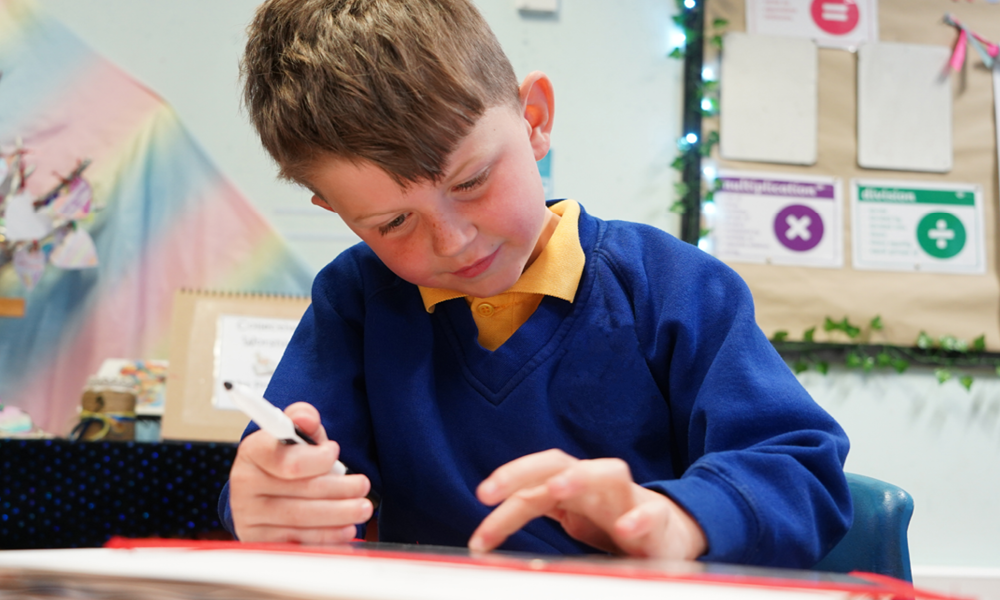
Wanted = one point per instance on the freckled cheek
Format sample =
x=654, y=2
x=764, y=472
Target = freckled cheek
x=409, y=260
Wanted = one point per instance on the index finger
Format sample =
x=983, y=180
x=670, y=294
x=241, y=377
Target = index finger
x=306, y=417
x=297, y=461
x=525, y=472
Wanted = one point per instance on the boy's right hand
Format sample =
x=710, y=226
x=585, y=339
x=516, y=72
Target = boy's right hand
x=281, y=493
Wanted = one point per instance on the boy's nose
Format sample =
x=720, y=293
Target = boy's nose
x=451, y=234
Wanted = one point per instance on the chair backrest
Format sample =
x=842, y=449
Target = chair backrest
x=876, y=541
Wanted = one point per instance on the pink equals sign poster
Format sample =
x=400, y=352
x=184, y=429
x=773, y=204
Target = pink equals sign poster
x=843, y=24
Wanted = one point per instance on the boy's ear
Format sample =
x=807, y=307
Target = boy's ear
x=538, y=107
x=322, y=204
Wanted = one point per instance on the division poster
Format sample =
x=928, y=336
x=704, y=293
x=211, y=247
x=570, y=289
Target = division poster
x=917, y=226
x=777, y=218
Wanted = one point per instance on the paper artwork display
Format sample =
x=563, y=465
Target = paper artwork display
x=768, y=99
x=904, y=108
x=74, y=204
x=247, y=351
x=780, y=219
x=76, y=250
x=23, y=223
x=29, y=264
x=917, y=226
x=846, y=24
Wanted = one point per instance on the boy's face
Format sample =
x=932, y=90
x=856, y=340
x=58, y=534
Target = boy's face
x=473, y=232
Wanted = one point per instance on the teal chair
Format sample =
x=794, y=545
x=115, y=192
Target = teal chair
x=876, y=541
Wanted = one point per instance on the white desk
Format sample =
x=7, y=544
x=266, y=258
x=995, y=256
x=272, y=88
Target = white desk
x=231, y=570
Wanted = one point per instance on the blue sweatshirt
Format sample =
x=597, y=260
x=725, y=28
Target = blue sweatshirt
x=658, y=361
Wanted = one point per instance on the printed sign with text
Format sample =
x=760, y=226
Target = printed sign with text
x=917, y=226
x=778, y=219
x=843, y=24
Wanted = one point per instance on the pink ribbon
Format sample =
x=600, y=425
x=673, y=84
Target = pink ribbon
x=988, y=51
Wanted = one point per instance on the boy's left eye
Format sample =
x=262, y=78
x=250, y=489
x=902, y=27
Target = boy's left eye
x=393, y=224
x=472, y=183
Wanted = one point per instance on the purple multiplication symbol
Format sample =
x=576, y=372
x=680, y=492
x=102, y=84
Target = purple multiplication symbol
x=798, y=227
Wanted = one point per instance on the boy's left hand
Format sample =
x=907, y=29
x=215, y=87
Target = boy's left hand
x=596, y=502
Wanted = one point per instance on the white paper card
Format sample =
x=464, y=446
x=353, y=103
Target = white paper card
x=917, y=226
x=779, y=219
x=247, y=350
x=23, y=223
x=904, y=107
x=845, y=24
x=996, y=107
x=767, y=102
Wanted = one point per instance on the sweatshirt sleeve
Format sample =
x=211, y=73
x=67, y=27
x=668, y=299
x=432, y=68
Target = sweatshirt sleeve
x=323, y=365
x=761, y=463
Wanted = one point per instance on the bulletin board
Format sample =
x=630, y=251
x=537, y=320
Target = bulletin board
x=795, y=298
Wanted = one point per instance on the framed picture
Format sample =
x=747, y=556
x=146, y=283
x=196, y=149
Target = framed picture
x=216, y=337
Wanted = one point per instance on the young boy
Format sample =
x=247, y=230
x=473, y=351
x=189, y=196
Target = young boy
x=483, y=349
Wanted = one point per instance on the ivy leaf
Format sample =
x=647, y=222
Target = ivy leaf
x=681, y=189
x=924, y=341
x=808, y=335
x=781, y=336
x=679, y=163
x=719, y=23
x=717, y=42
x=829, y=325
x=853, y=359
x=678, y=207
x=942, y=375
x=851, y=331
x=948, y=342
x=901, y=365
x=876, y=323
x=704, y=231
x=884, y=359
x=868, y=364
x=979, y=344
x=709, y=86
x=679, y=19
x=800, y=366
x=966, y=381
x=823, y=367
x=709, y=197
x=676, y=53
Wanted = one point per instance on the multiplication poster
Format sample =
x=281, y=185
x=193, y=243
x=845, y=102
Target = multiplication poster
x=777, y=218
x=917, y=226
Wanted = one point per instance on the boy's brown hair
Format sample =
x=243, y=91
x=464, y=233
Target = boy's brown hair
x=395, y=82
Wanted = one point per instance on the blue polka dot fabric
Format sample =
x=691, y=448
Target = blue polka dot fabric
x=61, y=494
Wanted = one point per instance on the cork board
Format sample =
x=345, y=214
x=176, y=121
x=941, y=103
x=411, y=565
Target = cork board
x=795, y=299
x=189, y=413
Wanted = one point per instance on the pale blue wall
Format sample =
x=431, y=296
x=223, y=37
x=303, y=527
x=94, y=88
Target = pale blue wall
x=617, y=111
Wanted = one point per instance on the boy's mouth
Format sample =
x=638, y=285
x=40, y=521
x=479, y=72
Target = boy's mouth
x=477, y=267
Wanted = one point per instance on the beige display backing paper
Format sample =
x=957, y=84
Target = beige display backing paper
x=795, y=299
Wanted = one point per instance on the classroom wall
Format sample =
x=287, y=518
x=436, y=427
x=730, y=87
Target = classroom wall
x=617, y=98
x=617, y=119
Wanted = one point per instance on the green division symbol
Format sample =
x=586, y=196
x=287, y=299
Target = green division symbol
x=941, y=234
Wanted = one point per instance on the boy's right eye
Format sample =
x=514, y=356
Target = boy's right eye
x=393, y=224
